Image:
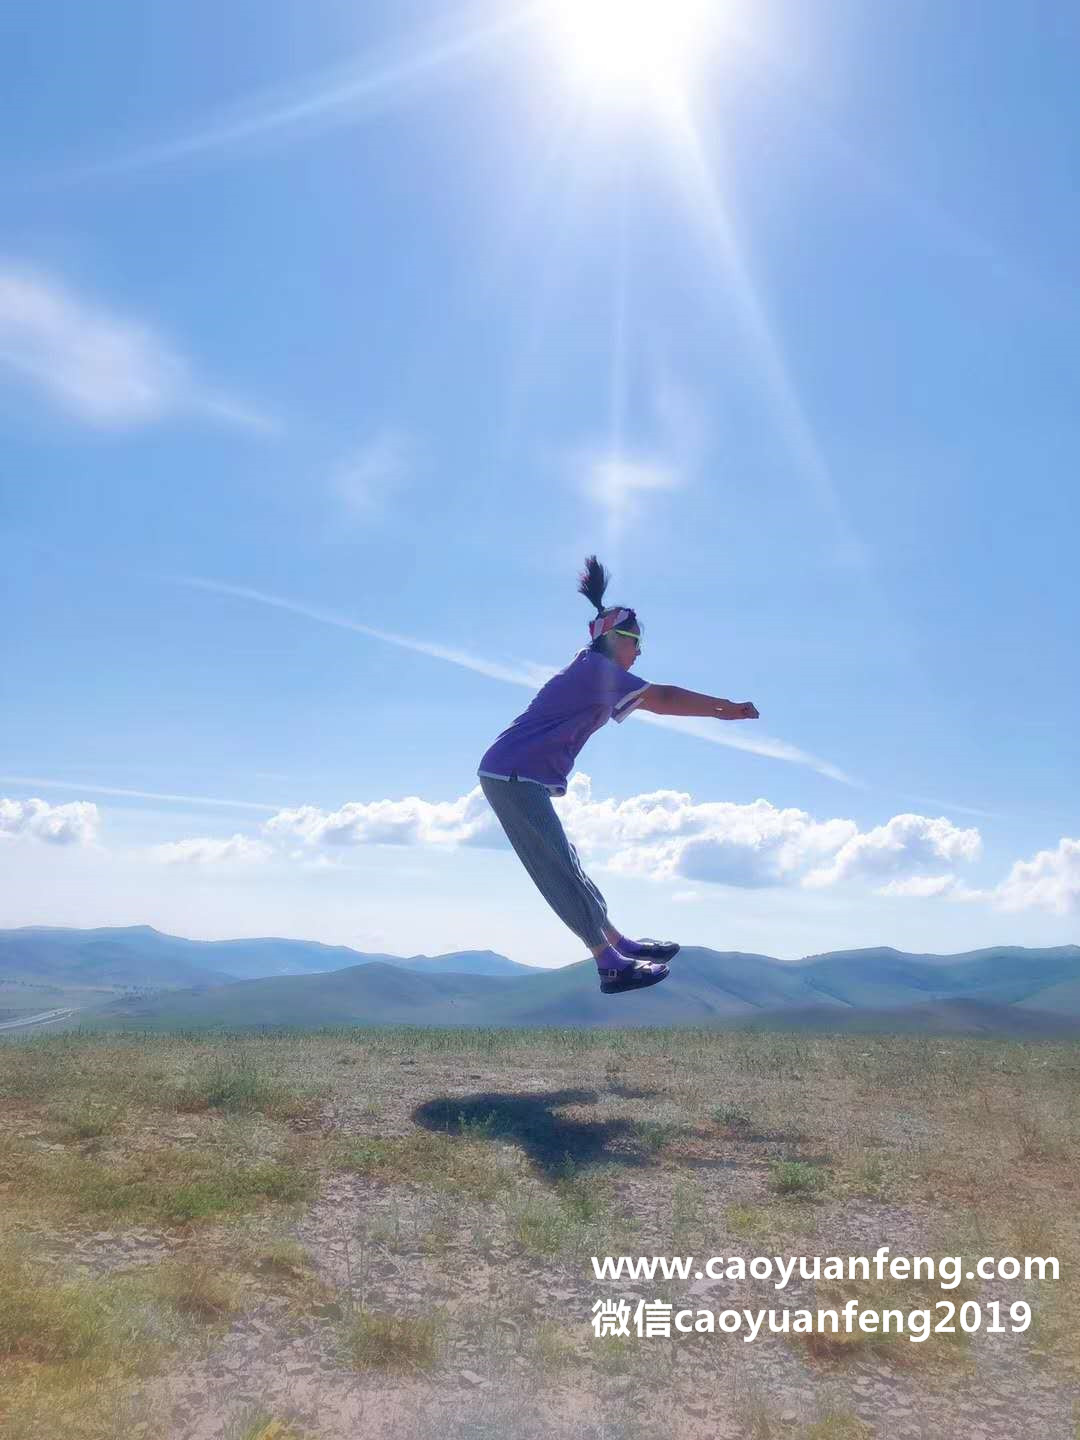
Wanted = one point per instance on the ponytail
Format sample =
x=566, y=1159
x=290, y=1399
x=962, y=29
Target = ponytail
x=593, y=582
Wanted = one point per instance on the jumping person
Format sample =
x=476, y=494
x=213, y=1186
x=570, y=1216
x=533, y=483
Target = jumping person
x=531, y=760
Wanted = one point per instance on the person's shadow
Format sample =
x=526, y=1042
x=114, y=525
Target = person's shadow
x=549, y=1139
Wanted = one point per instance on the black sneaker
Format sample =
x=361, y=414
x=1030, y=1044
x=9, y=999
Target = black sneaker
x=635, y=975
x=654, y=950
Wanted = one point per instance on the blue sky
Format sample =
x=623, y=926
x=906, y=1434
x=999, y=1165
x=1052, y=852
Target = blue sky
x=332, y=339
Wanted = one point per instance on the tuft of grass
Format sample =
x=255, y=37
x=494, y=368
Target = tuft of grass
x=239, y=1085
x=553, y=1350
x=196, y=1289
x=584, y=1194
x=839, y=1425
x=49, y=1324
x=263, y=1426
x=540, y=1226
x=870, y=1178
x=906, y=1296
x=572, y=1218
x=613, y=1355
x=286, y=1257
x=69, y=1348
x=796, y=1177
x=382, y=1341
x=476, y=1127
x=653, y=1135
x=689, y=1208
x=86, y=1121
x=461, y=1165
x=732, y=1118
x=175, y=1194
x=748, y=1222
x=168, y=1186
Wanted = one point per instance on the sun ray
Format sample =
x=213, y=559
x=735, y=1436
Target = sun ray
x=536, y=309
x=617, y=384
x=338, y=96
x=714, y=211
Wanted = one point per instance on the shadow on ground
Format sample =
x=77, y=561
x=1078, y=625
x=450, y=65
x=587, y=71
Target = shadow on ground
x=530, y=1120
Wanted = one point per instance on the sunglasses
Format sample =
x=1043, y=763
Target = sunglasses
x=630, y=636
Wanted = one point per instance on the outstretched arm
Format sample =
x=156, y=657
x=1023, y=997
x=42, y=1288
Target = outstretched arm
x=674, y=700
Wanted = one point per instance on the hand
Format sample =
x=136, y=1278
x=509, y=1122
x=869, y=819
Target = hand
x=746, y=710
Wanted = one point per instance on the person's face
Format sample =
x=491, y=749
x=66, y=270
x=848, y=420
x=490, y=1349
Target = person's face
x=627, y=648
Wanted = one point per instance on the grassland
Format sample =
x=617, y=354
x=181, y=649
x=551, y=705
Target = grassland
x=294, y=1235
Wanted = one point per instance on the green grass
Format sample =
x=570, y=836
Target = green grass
x=748, y=1222
x=553, y=1349
x=167, y=1186
x=261, y=1425
x=870, y=1177
x=731, y=1117
x=653, y=1136
x=585, y=1194
x=86, y=1120
x=465, y=1165
x=838, y=1425
x=197, y=1289
x=796, y=1177
x=70, y=1348
x=241, y=1086
x=906, y=1296
x=380, y=1341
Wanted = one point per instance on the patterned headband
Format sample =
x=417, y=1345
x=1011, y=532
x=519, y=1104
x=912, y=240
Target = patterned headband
x=608, y=621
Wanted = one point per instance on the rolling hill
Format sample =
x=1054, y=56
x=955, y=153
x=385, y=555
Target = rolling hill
x=1010, y=990
x=139, y=955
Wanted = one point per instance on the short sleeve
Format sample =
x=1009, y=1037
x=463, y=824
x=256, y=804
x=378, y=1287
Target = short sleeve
x=631, y=690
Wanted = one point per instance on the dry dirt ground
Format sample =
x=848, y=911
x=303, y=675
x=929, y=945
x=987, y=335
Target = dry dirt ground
x=460, y=1187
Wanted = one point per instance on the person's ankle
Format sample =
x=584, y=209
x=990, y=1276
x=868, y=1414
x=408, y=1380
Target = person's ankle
x=630, y=947
x=610, y=959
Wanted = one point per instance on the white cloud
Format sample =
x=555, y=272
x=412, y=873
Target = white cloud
x=902, y=844
x=1050, y=881
x=100, y=367
x=663, y=835
x=617, y=477
x=373, y=474
x=920, y=887
x=667, y=834
x=468, y=820
x=72, y=824
x=614, y=482
x=237, y=850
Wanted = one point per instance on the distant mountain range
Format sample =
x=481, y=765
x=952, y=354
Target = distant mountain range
x=196, y=984
x=139, y=955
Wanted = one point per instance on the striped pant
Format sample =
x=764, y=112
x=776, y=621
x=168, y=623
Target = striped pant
x=535, y=831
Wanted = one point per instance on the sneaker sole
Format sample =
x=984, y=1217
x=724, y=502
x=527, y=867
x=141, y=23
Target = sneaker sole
x=617, y=987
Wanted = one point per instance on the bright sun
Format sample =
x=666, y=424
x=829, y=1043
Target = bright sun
x=632, y=51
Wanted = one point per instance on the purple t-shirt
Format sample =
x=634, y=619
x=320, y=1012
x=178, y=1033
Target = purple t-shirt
x=543, y=742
